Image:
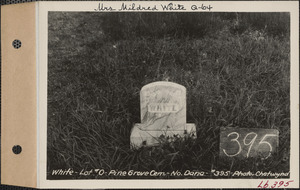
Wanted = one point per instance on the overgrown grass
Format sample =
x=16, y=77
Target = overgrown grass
x=98, y=63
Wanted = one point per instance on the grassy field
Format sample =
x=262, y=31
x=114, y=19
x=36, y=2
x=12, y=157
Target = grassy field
x=235, y=67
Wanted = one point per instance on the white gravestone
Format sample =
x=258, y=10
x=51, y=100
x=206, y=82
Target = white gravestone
x=163, y=114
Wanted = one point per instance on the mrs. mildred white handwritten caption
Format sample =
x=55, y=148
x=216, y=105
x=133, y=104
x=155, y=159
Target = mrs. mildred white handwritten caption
x=153, y=6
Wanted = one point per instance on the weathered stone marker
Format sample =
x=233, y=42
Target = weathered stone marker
x=163, y=114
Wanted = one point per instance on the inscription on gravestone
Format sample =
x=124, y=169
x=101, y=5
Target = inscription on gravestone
x=163, y=113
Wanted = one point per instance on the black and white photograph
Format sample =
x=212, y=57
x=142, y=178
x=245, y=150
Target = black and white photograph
x=168, y=95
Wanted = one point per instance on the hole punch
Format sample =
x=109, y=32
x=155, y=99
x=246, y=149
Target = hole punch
x=17, y=149
x=16, y=44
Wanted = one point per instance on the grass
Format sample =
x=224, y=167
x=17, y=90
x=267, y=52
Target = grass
x=236, y=74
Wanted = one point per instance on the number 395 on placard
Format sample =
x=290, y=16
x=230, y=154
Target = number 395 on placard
x=248, y=142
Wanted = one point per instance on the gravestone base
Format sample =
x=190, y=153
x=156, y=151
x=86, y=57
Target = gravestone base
x=140, y=138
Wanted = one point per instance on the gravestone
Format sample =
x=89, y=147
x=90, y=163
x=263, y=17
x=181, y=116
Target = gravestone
x=163, y=115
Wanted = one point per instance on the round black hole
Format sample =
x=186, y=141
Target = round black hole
x=17, y=44
x=17, y=149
